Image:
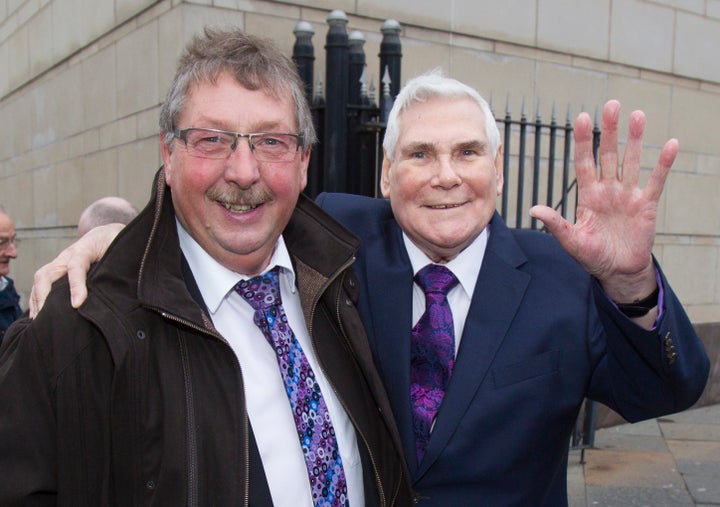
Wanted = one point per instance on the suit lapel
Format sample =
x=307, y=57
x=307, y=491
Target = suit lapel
x=389, y=277
x=498, y=294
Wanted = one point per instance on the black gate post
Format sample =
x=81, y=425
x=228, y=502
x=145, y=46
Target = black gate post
x=304, y=58
x=336, y=100
x=391, y=54
x=353, y=158
x=304, y=55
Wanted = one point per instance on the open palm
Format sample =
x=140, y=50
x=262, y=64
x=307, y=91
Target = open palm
x=612, y=237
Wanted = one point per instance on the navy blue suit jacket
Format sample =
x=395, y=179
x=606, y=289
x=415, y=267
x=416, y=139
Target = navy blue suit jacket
x=540, y=336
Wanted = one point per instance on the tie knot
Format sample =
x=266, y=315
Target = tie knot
x=262, y=291
x=436, y=278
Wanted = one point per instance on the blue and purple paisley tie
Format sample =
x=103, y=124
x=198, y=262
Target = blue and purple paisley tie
x=315, y=430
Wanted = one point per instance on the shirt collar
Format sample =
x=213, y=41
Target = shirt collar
x=214, y=280
x=465, y=267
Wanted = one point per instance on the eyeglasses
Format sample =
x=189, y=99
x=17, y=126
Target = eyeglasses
x=5, y=242
x=219, y=144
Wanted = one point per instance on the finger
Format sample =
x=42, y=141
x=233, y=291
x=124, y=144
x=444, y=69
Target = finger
x=77, y=274
x=608, y=150
x=43, y=280
x=553, y=221
x=584, y=160
x=39, y=292
x=633, y=151
x=656, y=183
x=88, y=249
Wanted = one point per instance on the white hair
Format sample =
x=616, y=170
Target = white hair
x=427, y=86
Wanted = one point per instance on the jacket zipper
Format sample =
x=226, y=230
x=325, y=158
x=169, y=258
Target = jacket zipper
x=192, y=499
x=192, y=441
x=348, y=263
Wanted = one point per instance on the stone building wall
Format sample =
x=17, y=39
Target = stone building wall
x=81, y=82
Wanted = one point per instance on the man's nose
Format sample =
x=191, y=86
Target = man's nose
x=11, y=250
x=447, y=174
x=242, y=168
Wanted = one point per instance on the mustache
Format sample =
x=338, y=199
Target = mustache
x=241, y=197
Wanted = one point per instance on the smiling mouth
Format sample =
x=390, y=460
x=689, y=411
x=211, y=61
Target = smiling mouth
x=444, y=206
x=238, y=208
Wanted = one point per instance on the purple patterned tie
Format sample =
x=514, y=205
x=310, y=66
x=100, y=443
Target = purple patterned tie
x=432, y=351
x=315, y=430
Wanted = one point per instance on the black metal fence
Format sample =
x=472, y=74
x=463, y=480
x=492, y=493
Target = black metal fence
x=350, y=119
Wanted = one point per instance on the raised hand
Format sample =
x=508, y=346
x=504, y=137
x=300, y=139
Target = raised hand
x=614, y=231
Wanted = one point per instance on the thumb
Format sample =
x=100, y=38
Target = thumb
x=553, y=221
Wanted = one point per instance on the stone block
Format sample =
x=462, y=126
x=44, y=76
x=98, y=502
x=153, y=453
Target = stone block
x=692, y=206
x=514, y=21
x=581, y=89
x=137, y=70
x=696, y=41
x=137, y=164
x=100, y=175
x=693, y=286
x=496, y=77
x=579, y=28
x=99, y=88
x=18, y=70
x=45, y=197
x=126, y=9
x=641, y=34
x=653, y=99
x=40, y=31
x=435, y=15
x=69, y=191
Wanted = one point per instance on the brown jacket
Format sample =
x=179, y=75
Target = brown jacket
x=136, y=399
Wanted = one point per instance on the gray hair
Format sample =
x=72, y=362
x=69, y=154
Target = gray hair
x=427, y=86
x=254, y=62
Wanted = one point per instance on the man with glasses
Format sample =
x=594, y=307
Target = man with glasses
x=9, y=299
x=219, y=358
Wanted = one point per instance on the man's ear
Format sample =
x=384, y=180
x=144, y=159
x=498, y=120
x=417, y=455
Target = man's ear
x=385, y=176
x=304, y=162
x=499, y=176
x=165, y=152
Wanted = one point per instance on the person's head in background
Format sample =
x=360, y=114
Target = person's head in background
x=8, y=243
x=106, y=210
x=442, y=169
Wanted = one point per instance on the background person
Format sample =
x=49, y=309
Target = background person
x=106, y=210
x=10, y=309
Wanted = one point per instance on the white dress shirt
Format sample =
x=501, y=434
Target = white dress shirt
x=465, y=267
x=265, y=397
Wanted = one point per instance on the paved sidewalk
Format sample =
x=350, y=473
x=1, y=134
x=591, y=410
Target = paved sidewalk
x=673, y=461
